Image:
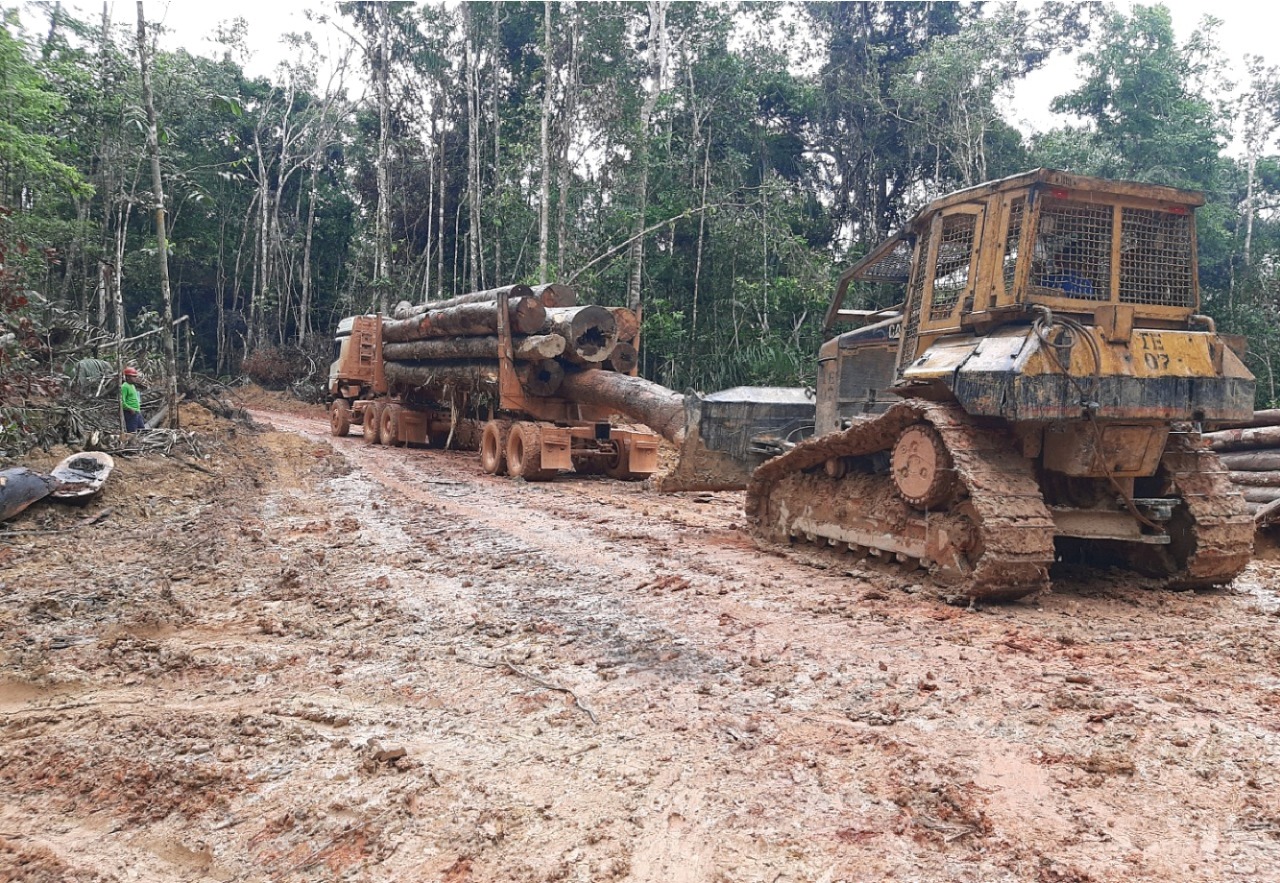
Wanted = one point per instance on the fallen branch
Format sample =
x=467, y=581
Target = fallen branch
x=511, y=666
x=514, y=669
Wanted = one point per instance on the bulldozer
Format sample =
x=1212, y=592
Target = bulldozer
x=1036, y=396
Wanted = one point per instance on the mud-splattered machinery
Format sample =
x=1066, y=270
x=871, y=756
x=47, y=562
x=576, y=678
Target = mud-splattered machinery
x=524, y=375
x=1037, y=395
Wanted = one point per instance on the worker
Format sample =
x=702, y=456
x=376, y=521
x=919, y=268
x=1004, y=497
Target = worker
x=130, y=401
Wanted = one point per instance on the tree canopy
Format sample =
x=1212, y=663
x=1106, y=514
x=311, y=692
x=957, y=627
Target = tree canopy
x=715, y=163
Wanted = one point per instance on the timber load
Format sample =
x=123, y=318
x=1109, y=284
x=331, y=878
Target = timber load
x=1250, y=451
x=528, y=375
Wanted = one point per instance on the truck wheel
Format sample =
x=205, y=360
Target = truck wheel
x=524, y=453
x=339, y=417
x=373, y=424
x=619, y=466
x=389, y=425
x=493, y=448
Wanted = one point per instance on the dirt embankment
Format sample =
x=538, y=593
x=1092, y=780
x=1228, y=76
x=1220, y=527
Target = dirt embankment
x=320, y=660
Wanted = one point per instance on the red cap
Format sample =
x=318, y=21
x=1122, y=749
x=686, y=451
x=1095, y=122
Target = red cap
x=130, y=372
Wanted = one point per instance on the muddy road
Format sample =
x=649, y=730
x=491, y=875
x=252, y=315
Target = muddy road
x=307, y=658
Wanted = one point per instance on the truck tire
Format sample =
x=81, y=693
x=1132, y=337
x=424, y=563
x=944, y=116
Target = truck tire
x=389, y=426
x=524, y=453
x=493, y=447
x=619, y=466
x=373, y=424
x=339, y=417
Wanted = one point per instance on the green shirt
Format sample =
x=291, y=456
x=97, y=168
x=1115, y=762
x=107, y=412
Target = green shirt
x=129, y=397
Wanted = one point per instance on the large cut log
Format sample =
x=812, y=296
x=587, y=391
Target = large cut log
x=1261, y=494
x=1244, y=439
x=1256, y=479
x=467, y=320
x=589, y=332
x=628, y=323
x=406, y=310
x=1252, y=461
x=1260, y=418
x=553, y=294
x=657, y=407
x=414, y=328
x=433, y=377
x=541, y=378
x=525, y=349
x=624, y=358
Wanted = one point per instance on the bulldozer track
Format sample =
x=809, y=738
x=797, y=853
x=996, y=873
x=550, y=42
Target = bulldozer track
x=1219, y=539
x=994, y=542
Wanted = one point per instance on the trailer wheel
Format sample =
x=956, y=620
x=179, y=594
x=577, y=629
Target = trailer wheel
x=389, y=425
x=373, y=424
x=493, y=448
x=339, y=417
x=619, y=465
x=524, y=453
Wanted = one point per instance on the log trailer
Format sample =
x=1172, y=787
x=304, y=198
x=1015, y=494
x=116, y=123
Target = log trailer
x=1038, y=398
x=485, y=372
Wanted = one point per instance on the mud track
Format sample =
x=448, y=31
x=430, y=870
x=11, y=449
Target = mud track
x=329, y=660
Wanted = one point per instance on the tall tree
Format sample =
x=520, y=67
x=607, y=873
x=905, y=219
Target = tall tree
x=162, y=240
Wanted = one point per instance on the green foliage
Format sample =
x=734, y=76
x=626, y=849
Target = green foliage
x=779, y=148
x=29, y=157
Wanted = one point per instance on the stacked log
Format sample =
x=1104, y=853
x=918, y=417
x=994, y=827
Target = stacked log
x=551, y=295
x=1250, y=451
x=590, y=333
x=449, y=346
x=524, y=349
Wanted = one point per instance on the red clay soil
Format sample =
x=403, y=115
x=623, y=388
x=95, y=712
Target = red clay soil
x=316, y=659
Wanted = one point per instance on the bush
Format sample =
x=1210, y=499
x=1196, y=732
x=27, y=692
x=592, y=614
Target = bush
x=276, y=367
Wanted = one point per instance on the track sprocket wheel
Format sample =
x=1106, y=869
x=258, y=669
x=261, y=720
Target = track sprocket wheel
x=922, y=470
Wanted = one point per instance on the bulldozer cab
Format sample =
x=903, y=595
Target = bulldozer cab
x=1091, y=247
x=1114, y=254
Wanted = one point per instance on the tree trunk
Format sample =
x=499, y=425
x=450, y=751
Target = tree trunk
x=1244, y=439
x=541, y=378
x=658, y=71
x=624, y=358
x=567, y=113
x=527, y=316
x=1261, y=494
x=544, y=192
x=524, y=349
x=1255, y=479
x=304, y=306
x=628, y=324
x=162, y=243
x=590, y=332
x=433, y=377
x=644, y=401
x=1252, y=461
x=440, y=228
x=382, y=246
x=553, y=294
x=1269, y=417
x=473, y=148
x=496, y=118
x=406, y=310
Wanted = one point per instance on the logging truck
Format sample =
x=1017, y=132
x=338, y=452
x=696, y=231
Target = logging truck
x=487, y=371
